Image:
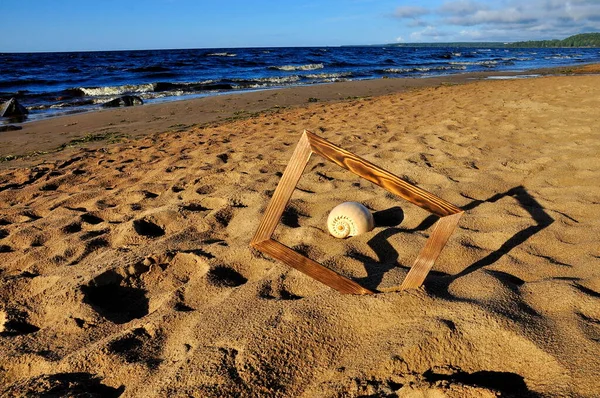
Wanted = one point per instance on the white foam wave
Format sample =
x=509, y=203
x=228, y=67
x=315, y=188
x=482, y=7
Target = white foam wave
x=453, y=67
x=561, y=56
x=423, y=69
x=279, y=79
x=327, y=75
x=221, y=55
x=163, y=94
x=517, y=59
x=397, y=70
x=484, y=63
x=298, y=67
x=117, y=90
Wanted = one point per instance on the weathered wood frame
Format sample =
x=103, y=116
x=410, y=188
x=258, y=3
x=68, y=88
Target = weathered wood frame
x=309, y=144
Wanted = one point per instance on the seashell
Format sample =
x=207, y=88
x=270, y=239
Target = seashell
x=349, y=219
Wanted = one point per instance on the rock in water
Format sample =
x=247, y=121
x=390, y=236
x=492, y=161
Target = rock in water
x=12, y=108
x=125, y=100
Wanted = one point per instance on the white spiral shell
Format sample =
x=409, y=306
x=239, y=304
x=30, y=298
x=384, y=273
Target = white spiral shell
x=349, y=219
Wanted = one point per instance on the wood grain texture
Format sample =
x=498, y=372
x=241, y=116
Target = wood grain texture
x=284, y=190
x=381, y=177
x=311, y=268
x=433, y=247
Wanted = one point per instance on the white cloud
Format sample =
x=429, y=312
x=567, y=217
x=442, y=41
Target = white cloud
x=471, y=34
x=502, y=20
x=462, y=7
x=505, y=16
x=407, y=12
x=427, y=34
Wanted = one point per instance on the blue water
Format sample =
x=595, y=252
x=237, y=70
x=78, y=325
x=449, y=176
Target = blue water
x=49, y=84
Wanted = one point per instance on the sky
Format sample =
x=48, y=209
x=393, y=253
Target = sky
x=88, y=25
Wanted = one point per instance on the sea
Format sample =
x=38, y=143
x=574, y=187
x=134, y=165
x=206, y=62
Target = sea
x=52, y=84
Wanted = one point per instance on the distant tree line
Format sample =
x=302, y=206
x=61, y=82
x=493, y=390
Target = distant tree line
x=581, y=40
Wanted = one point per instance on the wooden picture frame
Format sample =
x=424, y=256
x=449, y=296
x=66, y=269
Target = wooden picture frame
x=310, y=143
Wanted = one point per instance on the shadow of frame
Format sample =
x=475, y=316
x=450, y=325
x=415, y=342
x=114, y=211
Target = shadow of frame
x=388, y=256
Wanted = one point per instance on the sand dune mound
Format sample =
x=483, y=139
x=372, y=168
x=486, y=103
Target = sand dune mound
x=126, y=270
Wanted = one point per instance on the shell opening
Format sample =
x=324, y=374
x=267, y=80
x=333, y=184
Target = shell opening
x=341, y=228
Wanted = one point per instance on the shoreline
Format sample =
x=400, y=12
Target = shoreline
x=40, y=137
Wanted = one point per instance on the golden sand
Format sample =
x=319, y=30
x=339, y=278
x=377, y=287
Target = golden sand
x=126, y=267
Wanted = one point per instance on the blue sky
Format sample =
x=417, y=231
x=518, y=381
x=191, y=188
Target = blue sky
x=71, y=25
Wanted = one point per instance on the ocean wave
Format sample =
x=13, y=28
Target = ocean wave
x=165, y=94
x=423, y=69
x=265, y=82
x=223, y=54
x=160, y=75
x=328, y=75
x=153, y=68
x=27, y=82
x=397, y=70
x=142, y=89
x=561, y=56
x=446, y=55
x=298, y=67
x=73, y=104
x=343, y=64
x=482, y=63
x=60, y=105
x=517, y=59
x=116, y=90
x=429, y=69
x=276, y=79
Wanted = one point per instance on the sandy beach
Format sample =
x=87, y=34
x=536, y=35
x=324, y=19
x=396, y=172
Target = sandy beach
x=125, y=266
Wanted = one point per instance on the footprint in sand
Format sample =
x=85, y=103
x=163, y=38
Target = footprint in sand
x=138, y=346
x=223, y=157
x=117, y=302
x=147, y=228
x=51, y=186
x=205, y=190
x=90, y=219
x=149, y=195
x=93, y=234
x=224, y=276
x=72, y=228
x=194, y=207
x=270, y=291
x=224, y=216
